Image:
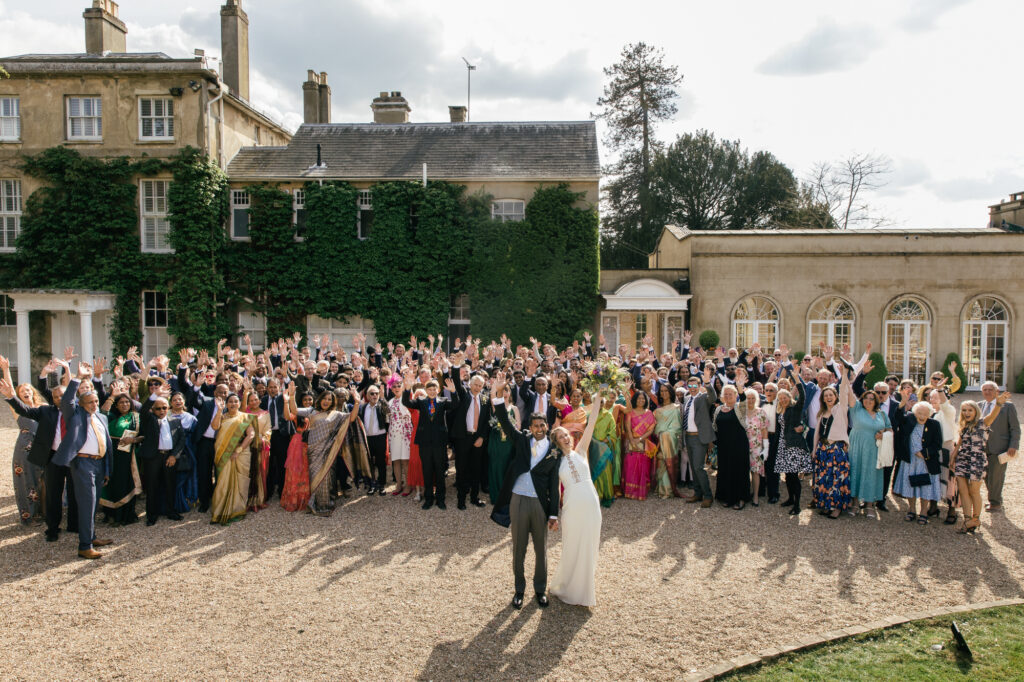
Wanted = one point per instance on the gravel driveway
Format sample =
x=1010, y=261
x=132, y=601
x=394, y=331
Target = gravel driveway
x=383, y=590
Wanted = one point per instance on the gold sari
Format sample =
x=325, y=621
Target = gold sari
x=232, y=492
x=576, y=423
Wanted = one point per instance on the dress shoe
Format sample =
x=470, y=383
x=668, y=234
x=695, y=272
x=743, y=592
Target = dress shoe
x=175, y=517
x=517, y=601
x=478, y=503
x=461, y=505
x=102, y=543
x=203, y=508
x=89, y=554
x=542, y=601
x=441, y=505
x=151, y=522
x=788, y=503
x=880, y=506
x=381, y=491
x=691, y=500
x=427, y=505
x=51, y=537
x=705, y=503
x=773, y=500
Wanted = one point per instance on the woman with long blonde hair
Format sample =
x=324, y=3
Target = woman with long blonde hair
x=970, y=457
x=27, y=476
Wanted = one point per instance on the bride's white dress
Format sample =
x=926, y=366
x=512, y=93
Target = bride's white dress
x=581, y=533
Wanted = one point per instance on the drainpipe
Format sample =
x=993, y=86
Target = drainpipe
x=220, y=121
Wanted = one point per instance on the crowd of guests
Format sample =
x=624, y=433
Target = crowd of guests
x=225, y=433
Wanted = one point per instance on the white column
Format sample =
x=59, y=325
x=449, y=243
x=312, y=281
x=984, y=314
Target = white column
x=24, y=350
x=85, y=318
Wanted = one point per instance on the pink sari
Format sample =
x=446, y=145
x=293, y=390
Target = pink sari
x=639, y=452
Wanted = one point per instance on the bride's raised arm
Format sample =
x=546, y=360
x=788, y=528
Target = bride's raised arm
x=595, y=411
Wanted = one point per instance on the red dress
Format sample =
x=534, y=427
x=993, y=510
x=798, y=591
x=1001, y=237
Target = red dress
x=295, y=494
x=415, y=475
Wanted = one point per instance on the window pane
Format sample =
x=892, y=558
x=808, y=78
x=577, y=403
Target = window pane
x=241, y=228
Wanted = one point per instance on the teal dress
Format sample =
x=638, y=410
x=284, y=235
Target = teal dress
x=499, y=452
x=866, y=482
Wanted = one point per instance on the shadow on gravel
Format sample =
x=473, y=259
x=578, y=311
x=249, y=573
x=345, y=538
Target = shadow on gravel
x=489, y=654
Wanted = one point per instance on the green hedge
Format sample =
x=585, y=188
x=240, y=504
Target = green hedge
x=878, y=372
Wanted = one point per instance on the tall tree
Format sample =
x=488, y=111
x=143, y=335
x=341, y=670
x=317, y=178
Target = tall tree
x=640, y=92
x=840, y=188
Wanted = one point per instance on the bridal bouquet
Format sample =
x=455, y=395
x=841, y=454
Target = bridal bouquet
x=603, y=376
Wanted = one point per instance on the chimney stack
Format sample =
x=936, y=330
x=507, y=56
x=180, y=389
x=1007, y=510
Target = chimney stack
x=104, y=32
x=234, y=48
x=325, y=99
x=316, y=98
x=457, y=114
x=390, y=107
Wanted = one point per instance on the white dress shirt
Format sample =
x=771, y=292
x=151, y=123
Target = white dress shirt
x=473, y=412
x=165, y=442
x=524, y=484
x=91, y=447
x=370, y=421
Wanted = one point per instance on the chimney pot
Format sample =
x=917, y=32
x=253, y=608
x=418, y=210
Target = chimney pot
x=390, y=108
x=457, y=114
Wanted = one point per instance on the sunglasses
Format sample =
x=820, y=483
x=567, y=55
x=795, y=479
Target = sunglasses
x=159, y=409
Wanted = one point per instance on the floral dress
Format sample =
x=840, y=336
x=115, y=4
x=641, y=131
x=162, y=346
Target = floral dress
x=972, y=457
x=399, y=430
x=756, y=423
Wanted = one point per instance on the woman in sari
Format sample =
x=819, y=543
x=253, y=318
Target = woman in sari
x=186, y=492
x=574, y=420
x=295, y=493
x=500, y=446
x=608, y=458
x=260, y=465
x=118, y=497
x=669, y=431
x=324, y=439
x=232, y=459
x=640, y=450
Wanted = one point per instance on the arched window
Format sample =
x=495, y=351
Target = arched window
x=756, y=319
x=984, y=342
x=830, y=320
x=907, y=339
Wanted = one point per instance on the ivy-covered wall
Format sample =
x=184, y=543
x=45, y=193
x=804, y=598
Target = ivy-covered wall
x=427, y=245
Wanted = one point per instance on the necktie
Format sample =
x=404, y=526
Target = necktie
x=101, y=443
x=476, y=414
x=686, y=413
x=987, y=410
x=431, y=408
x=63, y=427
x=273, y=413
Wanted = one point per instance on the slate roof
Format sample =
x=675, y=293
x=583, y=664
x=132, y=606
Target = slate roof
x=452, y=151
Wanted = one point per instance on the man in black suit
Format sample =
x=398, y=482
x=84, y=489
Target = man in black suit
x=374, y=415
x=163, y=441
x=470, y=429
x=47, y=439
x=539, y=400
x=203, y=436
x=281, y=431
x=529, y=494
x=431, y=435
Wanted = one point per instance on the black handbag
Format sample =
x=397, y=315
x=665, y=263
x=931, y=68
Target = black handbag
x=920, y=480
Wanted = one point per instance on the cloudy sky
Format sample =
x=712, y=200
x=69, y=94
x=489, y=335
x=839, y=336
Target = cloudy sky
x=932, y=84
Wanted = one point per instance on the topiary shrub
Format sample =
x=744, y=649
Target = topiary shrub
x=798, y=357
x=878, y=371
x=1019, y=384
x=709, y=339
x=953, y=357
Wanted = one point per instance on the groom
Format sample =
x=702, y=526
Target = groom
x=529, y=494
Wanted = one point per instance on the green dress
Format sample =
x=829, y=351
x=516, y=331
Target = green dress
x=669, y=430
x=118, y=497
x=607, y=466
x=499, y=453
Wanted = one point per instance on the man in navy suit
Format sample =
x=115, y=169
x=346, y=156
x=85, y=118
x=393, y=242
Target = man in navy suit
x=432, y=435
x=280, y=435
x=203, y=434
x=87, y=449
x=538, y=401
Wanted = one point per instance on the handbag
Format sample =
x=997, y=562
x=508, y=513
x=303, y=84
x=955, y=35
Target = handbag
x=885, y=451
x=919, y=480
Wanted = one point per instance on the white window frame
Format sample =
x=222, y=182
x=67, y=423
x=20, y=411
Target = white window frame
x=157, y=212
x=342, y=331
x=10, y=212
x=639, y=338
x=240, y=200
x=905, y=324
x=757, y=323
x=155, y=338
x=668, y=338
x=364, y=202
x=253, y=323
x=459, y=311
x=96, y=117
x=10, y=118
x=610, y=321
x=984, y=325
x=298, y=204
x=830, y=323
x=167, y=118
x=508, y=210
x=9, y=332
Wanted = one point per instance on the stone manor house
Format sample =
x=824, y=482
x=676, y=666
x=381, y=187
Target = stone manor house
x=916, y=294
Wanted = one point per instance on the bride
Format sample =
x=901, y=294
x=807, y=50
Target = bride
x=581, y=517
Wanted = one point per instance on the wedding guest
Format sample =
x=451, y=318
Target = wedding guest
x=432, y=436
x=500, y=445
x=944, y=413
x=400, y=433
x=668, y=431
x=470, y=431
x=259, y=468
x=970, y=457
x=295, y=494
x=325, y=423
x=232, y=460
x=918, y=476
x=755, y=423
x=793, y=457
x=698, y=430
x=831, y=450
x=186, y=491
x=119, y=494
x=640, y=450
x=733, y=489
x=27, y=476
x=374, y=415
x=1003, y=441
x=868, y=424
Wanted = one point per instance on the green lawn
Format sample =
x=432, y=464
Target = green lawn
x=904, y=653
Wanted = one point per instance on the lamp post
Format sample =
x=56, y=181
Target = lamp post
x=469, y=69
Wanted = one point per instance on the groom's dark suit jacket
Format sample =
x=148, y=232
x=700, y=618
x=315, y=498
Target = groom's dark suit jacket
x=544, y=475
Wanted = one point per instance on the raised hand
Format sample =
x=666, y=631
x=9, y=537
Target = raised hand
x=5, y=364
x=84, y=370
x=69, y=354
x=1003, y=397
x=6, y=390
x=99, y=365
x=687, y=335
x=952, y=367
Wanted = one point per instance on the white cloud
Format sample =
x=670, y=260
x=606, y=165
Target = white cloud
x=826, y=48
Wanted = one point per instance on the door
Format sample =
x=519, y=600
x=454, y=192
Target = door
x=984, y=353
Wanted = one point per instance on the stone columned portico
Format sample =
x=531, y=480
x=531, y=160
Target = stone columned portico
x=84, y=304
x=639, y=306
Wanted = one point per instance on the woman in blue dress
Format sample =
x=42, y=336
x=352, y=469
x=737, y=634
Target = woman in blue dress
x=868, y=424
x=918, y=477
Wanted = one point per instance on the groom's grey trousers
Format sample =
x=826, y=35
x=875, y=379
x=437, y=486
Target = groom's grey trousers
x=529, y=520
